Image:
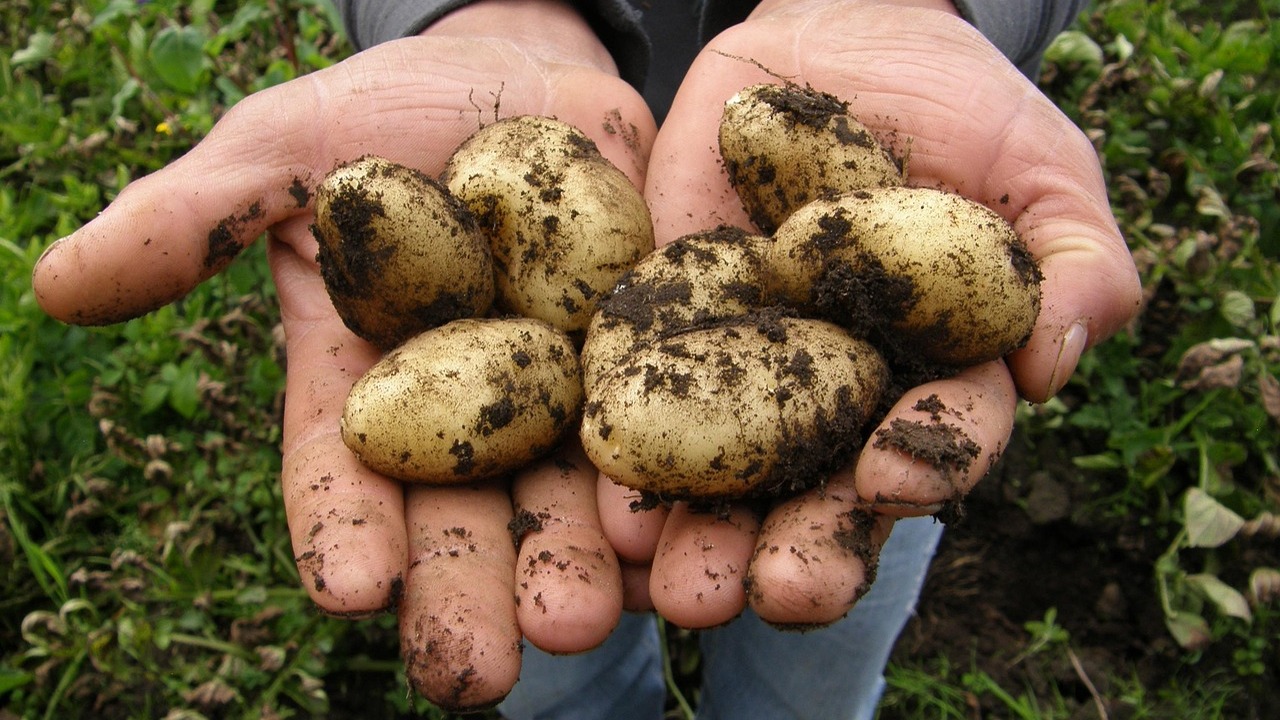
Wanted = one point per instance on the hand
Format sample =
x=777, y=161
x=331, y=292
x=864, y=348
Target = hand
x=366, y=543
x=929, y=83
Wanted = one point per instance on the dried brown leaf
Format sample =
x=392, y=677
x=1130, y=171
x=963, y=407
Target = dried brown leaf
x=1269, y=389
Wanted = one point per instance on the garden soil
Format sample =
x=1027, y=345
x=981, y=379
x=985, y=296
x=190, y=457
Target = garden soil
x=1024, y=545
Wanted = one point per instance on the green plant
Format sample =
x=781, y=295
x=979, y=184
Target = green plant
x=1186, y=403
x=145, y=567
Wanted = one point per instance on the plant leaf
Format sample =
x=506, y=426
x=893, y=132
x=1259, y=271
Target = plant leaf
x=1209, y=523
x=177, y=56
x=1074, y=46
x=1269, y=389
x=1189, y=630
x=39, y=48
x=12, y=679
x=1227, y=599
x=1237, y=308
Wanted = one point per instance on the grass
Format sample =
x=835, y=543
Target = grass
x=145, y=569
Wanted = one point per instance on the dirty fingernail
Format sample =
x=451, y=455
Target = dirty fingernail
x=1072, y=347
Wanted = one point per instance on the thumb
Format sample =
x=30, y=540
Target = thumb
x=167, y=232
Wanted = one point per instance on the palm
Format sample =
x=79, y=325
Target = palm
x=364, y=543
x=929, y=85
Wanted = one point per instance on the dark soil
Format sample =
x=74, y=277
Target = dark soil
x=1026, y=544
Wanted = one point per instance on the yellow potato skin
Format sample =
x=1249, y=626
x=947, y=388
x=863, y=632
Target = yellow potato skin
x=786, y=145
x=397, y=253
x=563, y=223
x=763, y=406
x=473, y=399
x=935, y=273
x=700, y=278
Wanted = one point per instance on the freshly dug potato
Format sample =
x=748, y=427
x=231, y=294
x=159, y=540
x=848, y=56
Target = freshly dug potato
x=468, y=400
x=786, y=145
x=397, y=253
x=701, y=278
x=762, y=406
x=563, y=222
x=940, y=275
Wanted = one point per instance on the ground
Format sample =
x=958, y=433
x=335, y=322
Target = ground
x=1024, y=546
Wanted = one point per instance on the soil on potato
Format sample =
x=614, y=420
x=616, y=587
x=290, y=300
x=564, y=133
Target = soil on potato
x=806, y=106
x=351, y=262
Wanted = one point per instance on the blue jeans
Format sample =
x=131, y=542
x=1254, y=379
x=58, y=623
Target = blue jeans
x=750, y=669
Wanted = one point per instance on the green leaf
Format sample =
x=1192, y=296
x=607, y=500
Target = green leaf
x=1227, y=599
x=1209, y=523
x=39, y=48
x=128, y=90
x=1237, y=308
x=242, y=23
x=153, y=396
x=1103, y=461
x=1074, y=46
x=12, y=679
x=1189, y=630
x=184, y=393
x=114, y=9
x=177, y=56
x=255, y=595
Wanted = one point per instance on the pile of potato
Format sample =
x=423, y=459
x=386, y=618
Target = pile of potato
x=477, y=286
x=730, y=365
x=727, y=364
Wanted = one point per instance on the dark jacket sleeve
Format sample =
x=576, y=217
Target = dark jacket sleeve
x=1021, y=30
x=615, y=22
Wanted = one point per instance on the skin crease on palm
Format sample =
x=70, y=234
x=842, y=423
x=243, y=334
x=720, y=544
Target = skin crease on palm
x=465, y=594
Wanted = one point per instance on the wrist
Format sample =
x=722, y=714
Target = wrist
x=551, y=30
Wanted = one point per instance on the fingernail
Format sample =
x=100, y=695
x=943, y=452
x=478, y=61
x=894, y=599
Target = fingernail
x=1069, y=352
x=49, y=249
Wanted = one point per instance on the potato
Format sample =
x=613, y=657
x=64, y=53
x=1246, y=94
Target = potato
x=786, y=145
x=563, y=222
x=762, y=406
x=939, y=275
x=698, y=279
x=397, y=253
x=472, y=399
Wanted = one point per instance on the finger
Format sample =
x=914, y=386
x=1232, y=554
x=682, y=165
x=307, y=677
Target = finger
x=458, y=630
x=568, y=582
x=635, y=587
x=632, y=526
x=346, y=521
x=702, y=559
x=937, y=441
x=817, y=555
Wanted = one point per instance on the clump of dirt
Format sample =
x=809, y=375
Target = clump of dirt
x=943, y=446
x=225, y=239
x=524, y=523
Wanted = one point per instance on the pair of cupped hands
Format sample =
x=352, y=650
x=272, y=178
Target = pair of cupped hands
x=444, y=557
